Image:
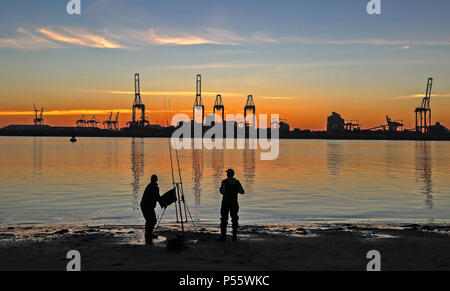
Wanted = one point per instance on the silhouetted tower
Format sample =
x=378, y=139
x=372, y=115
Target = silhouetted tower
x=423, y=112
x=198, y=104
x=38, y=117
x=138, y=106
x=218, y=105
x=250, y=106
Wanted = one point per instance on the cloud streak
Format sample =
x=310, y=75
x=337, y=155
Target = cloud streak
x=80, y=38
x=415, y=96
x=50, y=37
x=217, y=37
x=63, y=112
x=27, y=40
x=43, y=38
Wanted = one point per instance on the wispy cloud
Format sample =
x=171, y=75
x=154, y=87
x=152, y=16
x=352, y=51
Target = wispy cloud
x=51, y=37
x=365, y=41
x=80, y=38
x=79, y=112
x=63, y=112
x=27, y=40
x=415, y=96
x=279, y=98
x=56, y=38
x=212, y=36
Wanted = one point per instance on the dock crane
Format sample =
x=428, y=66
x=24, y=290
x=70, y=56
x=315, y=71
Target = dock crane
x=218, y=105
x=115, y=122
x=81, y=122
x=138, y=106
x=198, y=104
x=111, y=124
x=391, y=125
x=250, y=106
x=394, y=125
x=423, y=112
x=92, y=122
x=107, y=124
x=38, y=116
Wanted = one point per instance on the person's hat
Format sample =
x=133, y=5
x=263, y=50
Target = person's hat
x=230, y=171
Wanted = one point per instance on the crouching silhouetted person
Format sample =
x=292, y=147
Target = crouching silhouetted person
x=148, y=204
x=230, y=189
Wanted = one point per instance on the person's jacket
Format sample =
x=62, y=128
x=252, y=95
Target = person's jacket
x=151, y=196
x=230, y=189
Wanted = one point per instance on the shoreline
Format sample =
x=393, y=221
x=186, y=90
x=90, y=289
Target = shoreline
x=337, y=246
x=313, y=136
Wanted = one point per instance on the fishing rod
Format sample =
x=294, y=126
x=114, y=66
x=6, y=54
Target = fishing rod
x=171, y=160
x=178, y=185
x=186, y=208
x=173, y=177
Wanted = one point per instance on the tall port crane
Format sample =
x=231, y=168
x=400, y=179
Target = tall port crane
x=423, y=112
x=38, y=116
x=198, y=104
x=138, y=106
x=218, y=105
x=110, y=123
x=107, y=124
x=250, y=106
x=115, y=122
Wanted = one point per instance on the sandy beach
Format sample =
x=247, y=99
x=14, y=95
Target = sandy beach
x=260, y=248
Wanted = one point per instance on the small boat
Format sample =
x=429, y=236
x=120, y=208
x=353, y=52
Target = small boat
x=73, y=139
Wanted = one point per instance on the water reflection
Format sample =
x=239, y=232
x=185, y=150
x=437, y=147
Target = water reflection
x=424, y=170
x=137, y=168
x=249, y=166
x=334, y=158
x=113, y=161
x=197, y=173
x=218, y=166
x=37, y=156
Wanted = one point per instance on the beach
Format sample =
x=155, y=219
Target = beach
x=314, y=247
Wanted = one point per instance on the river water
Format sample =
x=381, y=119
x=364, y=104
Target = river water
x=50, y=181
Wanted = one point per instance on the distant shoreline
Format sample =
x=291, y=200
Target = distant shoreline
x=309, y=136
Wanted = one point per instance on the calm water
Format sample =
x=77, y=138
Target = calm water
x=100, y=181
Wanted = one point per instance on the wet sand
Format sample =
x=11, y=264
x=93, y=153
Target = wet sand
x=260, y=248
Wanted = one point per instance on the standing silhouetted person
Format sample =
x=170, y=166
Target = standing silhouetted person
x=230, y=189
x=148, y=204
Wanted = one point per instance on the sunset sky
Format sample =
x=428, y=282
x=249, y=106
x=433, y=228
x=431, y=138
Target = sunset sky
x=301, y=59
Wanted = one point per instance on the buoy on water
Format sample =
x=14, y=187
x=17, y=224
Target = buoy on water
x=73, y=139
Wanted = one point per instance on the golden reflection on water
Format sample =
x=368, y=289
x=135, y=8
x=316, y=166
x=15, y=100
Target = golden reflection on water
x=37, y=156
x=424, y=170
x=102, y=180
x=197, y=174
x=137, y=169
x=334, y=152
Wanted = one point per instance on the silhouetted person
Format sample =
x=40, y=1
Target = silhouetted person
x=230, y=189
x=148, y=204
